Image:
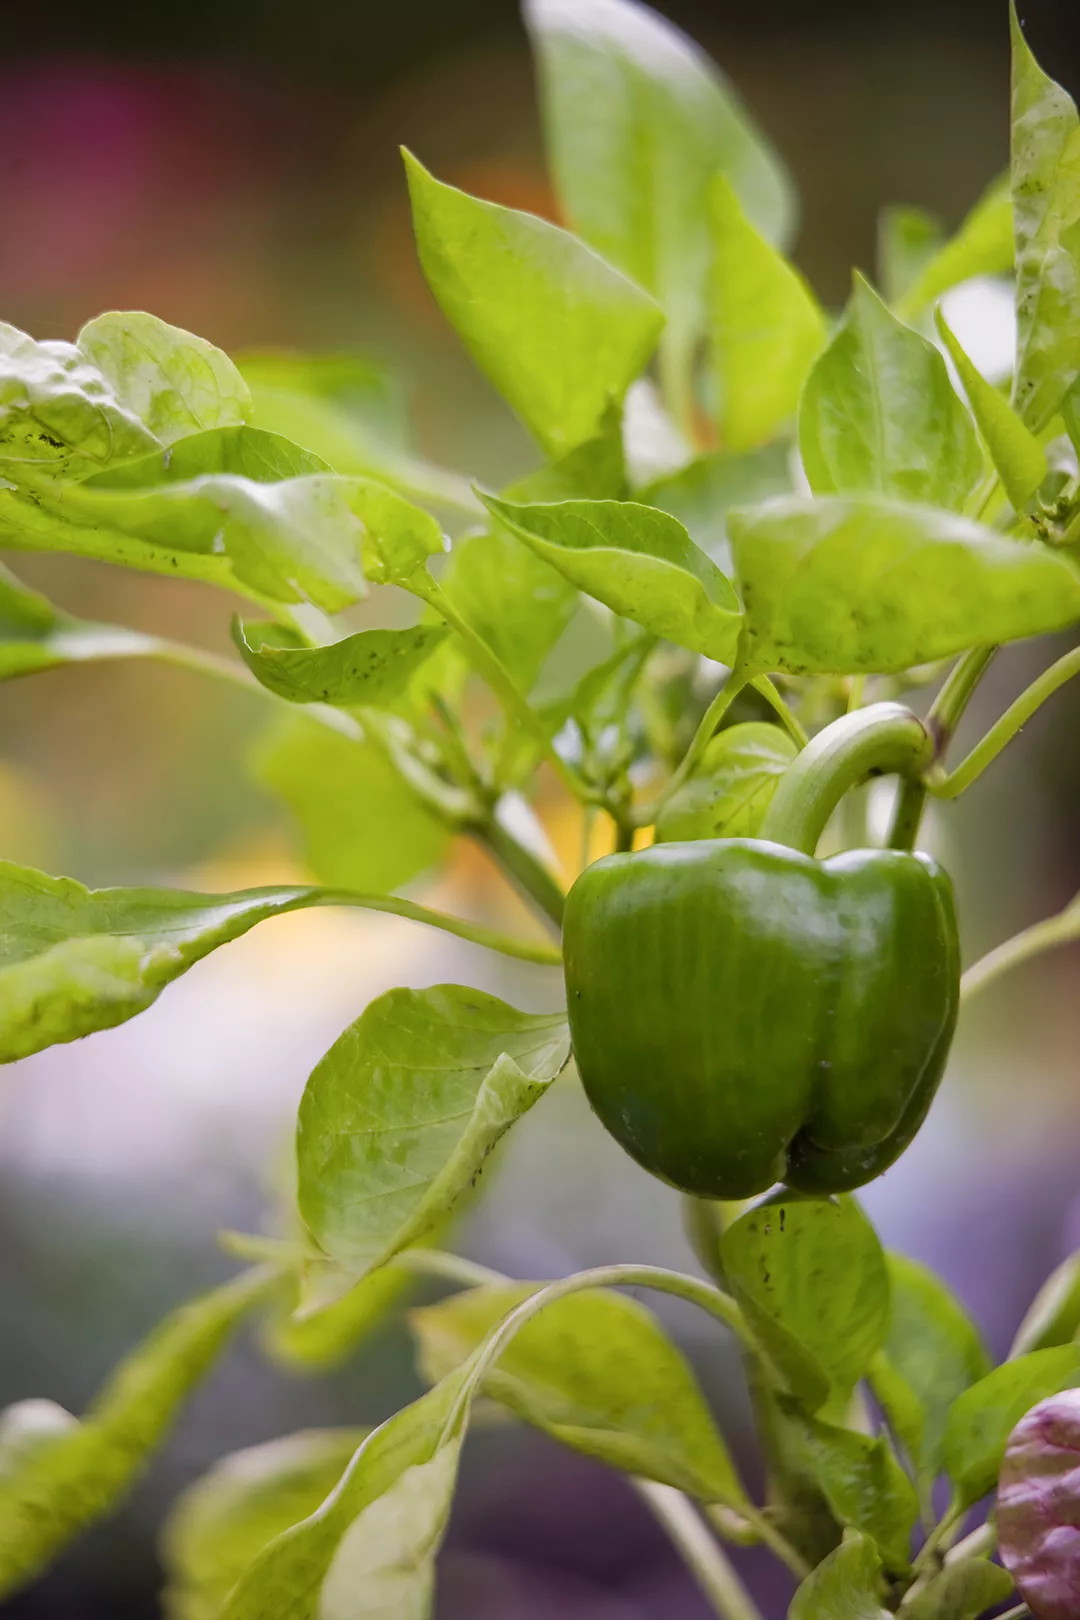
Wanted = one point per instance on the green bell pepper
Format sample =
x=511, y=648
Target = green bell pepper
x=742, y=1013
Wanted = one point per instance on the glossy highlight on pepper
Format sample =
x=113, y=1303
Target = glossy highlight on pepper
x=742, y=1013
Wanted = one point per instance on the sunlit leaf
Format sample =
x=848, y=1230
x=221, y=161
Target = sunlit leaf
x=766, y=328
x=59, y=415
x=983, y=246
x=76, y=960
x=373, y=667
x=879, y=413
x=596, y=1371
x=559, y=331
x=1015, y=451
x=844, y=585
x=1046, y=205
x=400, y=1115
x=638, y=122
x=702, y=493
x=174, y=382
x=638, y=561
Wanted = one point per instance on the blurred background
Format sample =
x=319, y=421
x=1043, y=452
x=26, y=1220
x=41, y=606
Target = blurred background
x=232, y=166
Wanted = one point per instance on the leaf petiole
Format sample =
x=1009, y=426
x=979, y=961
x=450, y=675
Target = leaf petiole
x=486, y=663
x=1004, y=730
x=704, y=1557
x=1033, y=941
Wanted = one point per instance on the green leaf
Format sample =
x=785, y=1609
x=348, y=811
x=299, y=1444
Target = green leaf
x=932, y=1353
x=373, y=667
x=1015, y=451
x=389, y=1508
x=35, y=635
x=594, y=471
x=983, y=246
x=1053, y=1317
x=80, y=518
x=961, y=1591
x=559, y=332
x=69, y=1481
x=27, y=1429
x=640, y=562
x=863, y=1483
x=847, y=1586
x=702, y=493
x=731, y=789
x=1046, y=206
x=766, y=327
x=879, y=413
x=638, y=122
x=59, y=416
x=174, y=382
x=363, y=825
x=811, y=1272
x=982, y=1418
x=384, y=1566
x=515, y=601
x=75, y=960
x=908, y=239
x=596, y=1371
x=314, y=538
x=859, y=584
x=319, y=1340
x=399, y=1116
x=246, y=452
x=225, y=1520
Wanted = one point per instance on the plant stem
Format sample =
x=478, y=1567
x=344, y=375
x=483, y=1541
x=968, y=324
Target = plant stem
x=1021, y=1612
x=517, y=707
x=527, y=873
x=645, y=815
x=704, y=1557
x=1041, y=936
x=948, y=707
x=941, y=722
x=453, y=1267
x=475, y=933
x=763, y=685
x=979, y=1544
x=1004, y=730
x=777, y=1543
x=882, y=738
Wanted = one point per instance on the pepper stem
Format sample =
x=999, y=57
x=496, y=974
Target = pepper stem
x=876, y=741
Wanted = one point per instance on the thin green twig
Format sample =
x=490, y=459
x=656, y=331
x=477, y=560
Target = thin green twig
x=1004, y=730
x=1041, y=936
x=700, y=1551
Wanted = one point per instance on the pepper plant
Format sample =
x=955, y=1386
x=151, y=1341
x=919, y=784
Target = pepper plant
x=705, y=658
